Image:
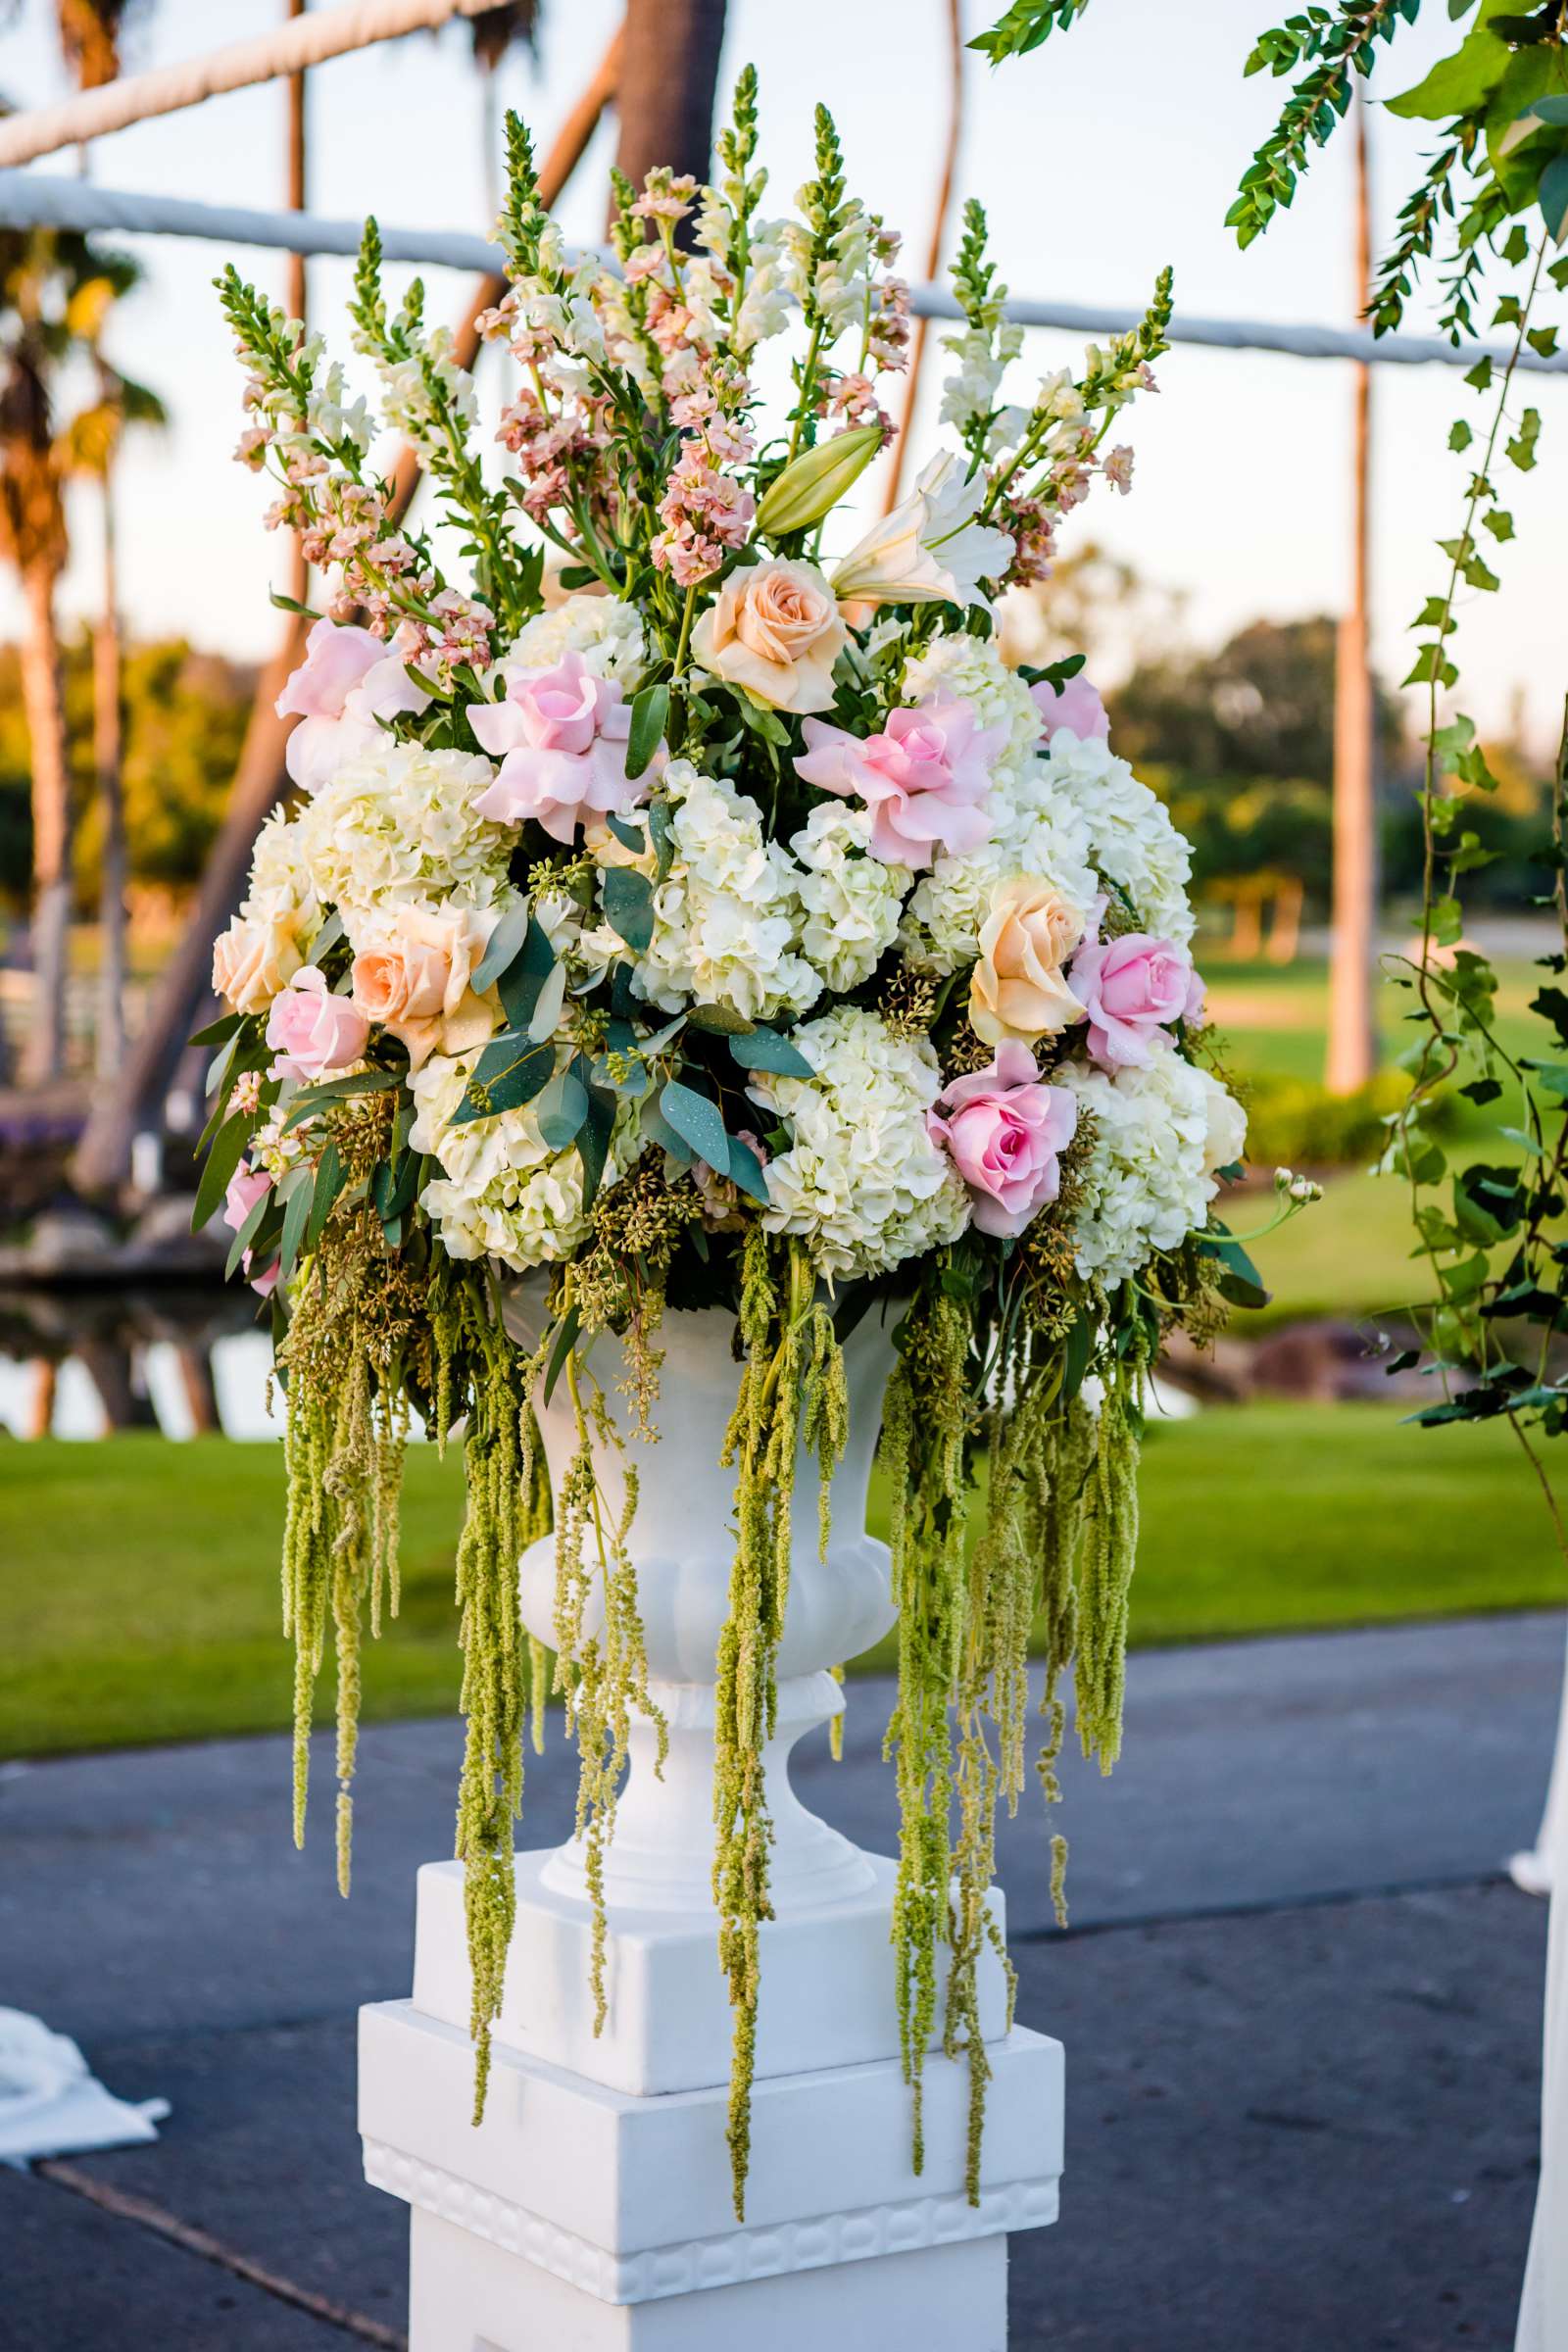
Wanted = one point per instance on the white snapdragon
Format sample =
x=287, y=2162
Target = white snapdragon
x=969, y=393
x=607, y=633
x=1159, y=1134
x=852, y=902
x=863, y=1182
x=501, y=1193
x=397, y=823
x=726, y=916
x=1131, y=836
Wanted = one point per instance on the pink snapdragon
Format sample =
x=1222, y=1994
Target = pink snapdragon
x=346, y=685
x=1134, y=989
x=925, y=777
x=705, y=512
x=1006, y=1130
x=561, y=736
x=1077, y=707
x=311, y=1031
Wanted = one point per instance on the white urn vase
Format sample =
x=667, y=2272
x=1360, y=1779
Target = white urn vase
x=593, y=2206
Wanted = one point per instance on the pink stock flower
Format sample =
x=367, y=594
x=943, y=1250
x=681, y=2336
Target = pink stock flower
x=1132, y=988
x=1006, y=1130
x=925, y=777
x=561, y=736
x=347, y=683
x=311, y=1031
x=1076, y=706
x=246, y=1187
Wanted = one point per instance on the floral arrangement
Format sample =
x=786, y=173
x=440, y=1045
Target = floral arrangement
x=715, y=921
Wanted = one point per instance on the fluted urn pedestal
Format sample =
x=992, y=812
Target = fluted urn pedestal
x=592, y=2208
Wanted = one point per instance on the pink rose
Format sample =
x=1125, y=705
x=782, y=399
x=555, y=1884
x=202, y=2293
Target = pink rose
x=265, y=1282
x=924, y=778
x=1133, y=989
x=1077, y=707
x=1006, y=1130
x=560, y=737
x=313, y=1032
x=347, y=682
x=246, y=1187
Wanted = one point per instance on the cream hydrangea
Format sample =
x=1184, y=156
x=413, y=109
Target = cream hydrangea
x=861, y=1182
x=503, y=1193
x=398, y=823
x=607, y=633
x=728, y=914
x=1131, y=837
x=850, y=901
x=280, y=880
x=1159, y=1136
x=1035, y=831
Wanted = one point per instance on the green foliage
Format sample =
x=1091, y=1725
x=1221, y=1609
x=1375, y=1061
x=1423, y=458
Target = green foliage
x=1025, y=26
x=184, y=718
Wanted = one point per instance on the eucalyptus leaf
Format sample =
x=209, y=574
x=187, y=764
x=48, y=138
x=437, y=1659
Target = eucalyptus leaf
x=629, y=907
x=561, y=1108
x=746, y=1171
x=763, y=1048
x=505, y=945
x=659, y=1130
x=509, y=1073
x=296, y=1216
x=722, y=1019
x=547, y=1005
x=697, y=1121
x=630, y=837
x=246, y=1236
x=565, y=1340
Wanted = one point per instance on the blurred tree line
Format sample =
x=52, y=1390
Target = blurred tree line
x=1240, y=742
x=183, y=714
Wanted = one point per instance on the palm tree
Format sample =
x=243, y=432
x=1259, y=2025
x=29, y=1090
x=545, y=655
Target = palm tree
x=51, y=282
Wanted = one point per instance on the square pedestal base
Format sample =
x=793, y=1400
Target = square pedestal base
x=468, y=2296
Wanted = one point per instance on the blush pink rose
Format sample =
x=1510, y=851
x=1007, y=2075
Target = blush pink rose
x=311, y=1031
x=1077, y=707
x=347, y=683
x=1006, y=1130
x=1133, y=989
x=560, y=737
x=925, y=777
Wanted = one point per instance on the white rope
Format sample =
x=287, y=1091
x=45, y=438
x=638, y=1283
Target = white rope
x=35, y=200
x=307, y=40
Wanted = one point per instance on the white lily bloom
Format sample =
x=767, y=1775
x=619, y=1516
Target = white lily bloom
x=930, y=550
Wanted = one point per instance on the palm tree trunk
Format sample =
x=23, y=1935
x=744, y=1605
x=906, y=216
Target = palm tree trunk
x=103, y=1155
x=109, y=786
x=44, y=1054
x=669, y=75
x=102, y=1158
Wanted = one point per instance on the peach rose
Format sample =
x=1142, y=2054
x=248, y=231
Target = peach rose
x=255, y=959
x=415, y=980
x=1019, y=989
x=774, y=632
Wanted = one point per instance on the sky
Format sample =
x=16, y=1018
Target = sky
x=1108, y=152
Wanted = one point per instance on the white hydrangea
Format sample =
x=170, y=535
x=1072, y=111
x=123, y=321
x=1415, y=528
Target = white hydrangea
x=972, y=666
x=280, y=880
x=1159, y=1135
x=852, y=901
x=607, y=633
x=398, y=823
x=503, y=1193
x=726, y=916
x=1131, y=836
x=863, y=1181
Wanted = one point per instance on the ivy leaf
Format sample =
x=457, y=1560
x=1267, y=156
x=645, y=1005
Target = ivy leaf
x=1522, y=449
x=763, y=1048
x=228, y=1147
x=1460, y=435
x=1500, y=522
x=1446, y=922
x=629, y=907
x=697, y=1121
x=650, y=715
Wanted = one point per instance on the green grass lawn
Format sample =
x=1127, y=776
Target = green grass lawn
x=140, y=1596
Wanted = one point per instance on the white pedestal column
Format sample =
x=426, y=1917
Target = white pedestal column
x=592, y=2208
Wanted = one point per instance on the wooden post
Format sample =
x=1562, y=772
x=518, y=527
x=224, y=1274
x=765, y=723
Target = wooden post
x=1352, y=1029
x=297, y=303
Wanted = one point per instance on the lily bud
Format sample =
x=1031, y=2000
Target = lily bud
x=813, y=482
